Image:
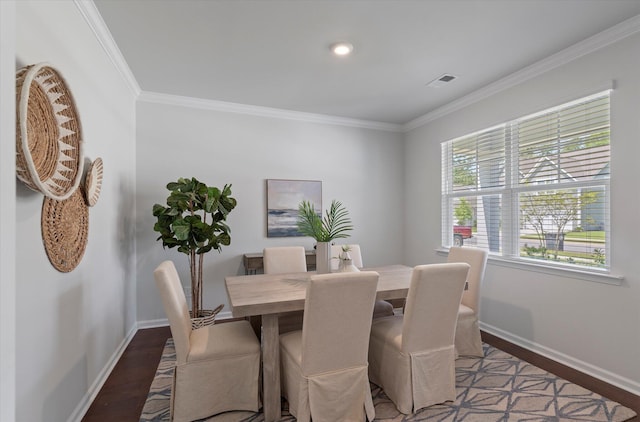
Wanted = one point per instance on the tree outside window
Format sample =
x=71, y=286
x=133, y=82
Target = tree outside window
x=549, y=213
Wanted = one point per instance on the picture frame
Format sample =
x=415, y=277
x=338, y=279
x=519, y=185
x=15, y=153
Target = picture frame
x=283, y=199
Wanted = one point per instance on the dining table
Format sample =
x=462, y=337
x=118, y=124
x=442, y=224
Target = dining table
x=270, y=295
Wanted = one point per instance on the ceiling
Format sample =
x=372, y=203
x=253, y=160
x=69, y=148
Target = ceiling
x=276, y=54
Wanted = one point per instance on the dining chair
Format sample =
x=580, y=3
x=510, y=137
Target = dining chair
x=468, y=341
x=284, y=259
x=324, y=365
x=412, y=356
x=381, y=308
x=217, y=366
x=281, y=260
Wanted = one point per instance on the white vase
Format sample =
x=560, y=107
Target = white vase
x=323, y=257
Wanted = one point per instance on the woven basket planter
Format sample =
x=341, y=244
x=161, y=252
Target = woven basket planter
x=49, y=152
x=207, y=317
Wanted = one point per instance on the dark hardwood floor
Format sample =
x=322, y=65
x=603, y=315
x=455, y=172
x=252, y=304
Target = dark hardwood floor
x=122, y=397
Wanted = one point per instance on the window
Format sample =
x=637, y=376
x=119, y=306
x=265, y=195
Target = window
x=535, y=188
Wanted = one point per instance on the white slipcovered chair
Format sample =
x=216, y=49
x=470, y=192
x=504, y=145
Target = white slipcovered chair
x=468, y=341
x=217, y=366
x=412, y=356
x=381, y=308
x=281, y=260
x=284, y=259
x=324, y=366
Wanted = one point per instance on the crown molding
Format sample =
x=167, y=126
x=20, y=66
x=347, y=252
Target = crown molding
x=92, y=16
x=582, y=48
x=276, y=113
x=609, y=36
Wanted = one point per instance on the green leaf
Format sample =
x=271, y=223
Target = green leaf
x=335, y=224
x=158, y=210
x=224, y=239
x=205, y=249
x=182, y=229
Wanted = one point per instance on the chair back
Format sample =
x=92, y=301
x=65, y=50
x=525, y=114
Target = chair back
x=175, y=306
x=477, y=260
x=431, y=311
x=284, y=259
x=337, y=321
x=354, y=252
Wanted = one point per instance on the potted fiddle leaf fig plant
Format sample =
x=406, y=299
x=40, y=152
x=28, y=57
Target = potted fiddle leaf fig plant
x=193, y=220
x=334, y=225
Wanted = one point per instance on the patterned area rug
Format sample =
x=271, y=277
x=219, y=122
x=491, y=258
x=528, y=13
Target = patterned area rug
x=498, y=387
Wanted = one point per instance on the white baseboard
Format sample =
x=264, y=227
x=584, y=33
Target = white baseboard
x=153, y=323
x=97, y=385
x=587, y=368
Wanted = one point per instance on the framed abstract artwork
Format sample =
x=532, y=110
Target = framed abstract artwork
x=283, y=199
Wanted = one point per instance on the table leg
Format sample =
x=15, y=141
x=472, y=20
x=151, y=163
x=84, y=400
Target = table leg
x=271, y=368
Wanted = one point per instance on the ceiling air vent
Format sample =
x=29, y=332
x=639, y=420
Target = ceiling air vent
x=442, y=80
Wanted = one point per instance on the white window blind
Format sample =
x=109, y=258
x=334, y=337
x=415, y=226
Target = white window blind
x=533, y=188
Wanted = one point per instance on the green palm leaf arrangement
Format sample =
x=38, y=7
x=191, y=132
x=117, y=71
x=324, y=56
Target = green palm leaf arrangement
x=334, y=225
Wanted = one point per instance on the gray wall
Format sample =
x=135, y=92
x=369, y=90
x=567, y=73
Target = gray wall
x=362, y=168
x=591, y=326
x=70, y=326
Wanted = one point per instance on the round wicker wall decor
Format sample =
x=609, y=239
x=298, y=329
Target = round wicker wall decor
x=93, y=182
x=65, y=230
x=49, y=152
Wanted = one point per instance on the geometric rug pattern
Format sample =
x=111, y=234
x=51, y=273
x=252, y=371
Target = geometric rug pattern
x=496, y=388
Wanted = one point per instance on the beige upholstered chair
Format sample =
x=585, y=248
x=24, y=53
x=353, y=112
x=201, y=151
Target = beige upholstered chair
x=280, y=260
x=217, y=366
x=381, y=308
x=324, y=366
x=284, y=259
x=468, y=341
x=412, y=356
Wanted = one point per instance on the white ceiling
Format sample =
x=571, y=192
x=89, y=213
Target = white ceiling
x=276, y=53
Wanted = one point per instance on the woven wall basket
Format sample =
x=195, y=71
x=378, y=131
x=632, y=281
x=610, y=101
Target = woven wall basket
x=93, y=182
x=65, y=230
x=49, y=152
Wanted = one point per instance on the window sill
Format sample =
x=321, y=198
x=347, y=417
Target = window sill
x=597, y=276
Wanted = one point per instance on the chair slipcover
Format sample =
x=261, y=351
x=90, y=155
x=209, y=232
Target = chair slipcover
x=324, y=366
x=468, y=341
x=284, y=259
x=281, y=260
x=412, y=356
x=381, y=308
x=217, y=366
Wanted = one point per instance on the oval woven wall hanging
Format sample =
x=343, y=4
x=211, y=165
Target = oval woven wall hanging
x=65, y=230
x=49, y=152
x=93, y=182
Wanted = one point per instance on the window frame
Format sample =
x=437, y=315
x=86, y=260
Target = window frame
x=508, y=253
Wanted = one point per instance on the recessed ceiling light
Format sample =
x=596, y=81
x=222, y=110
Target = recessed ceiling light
x=341, y=48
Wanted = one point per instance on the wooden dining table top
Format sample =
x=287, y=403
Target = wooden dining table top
x=263, y=294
